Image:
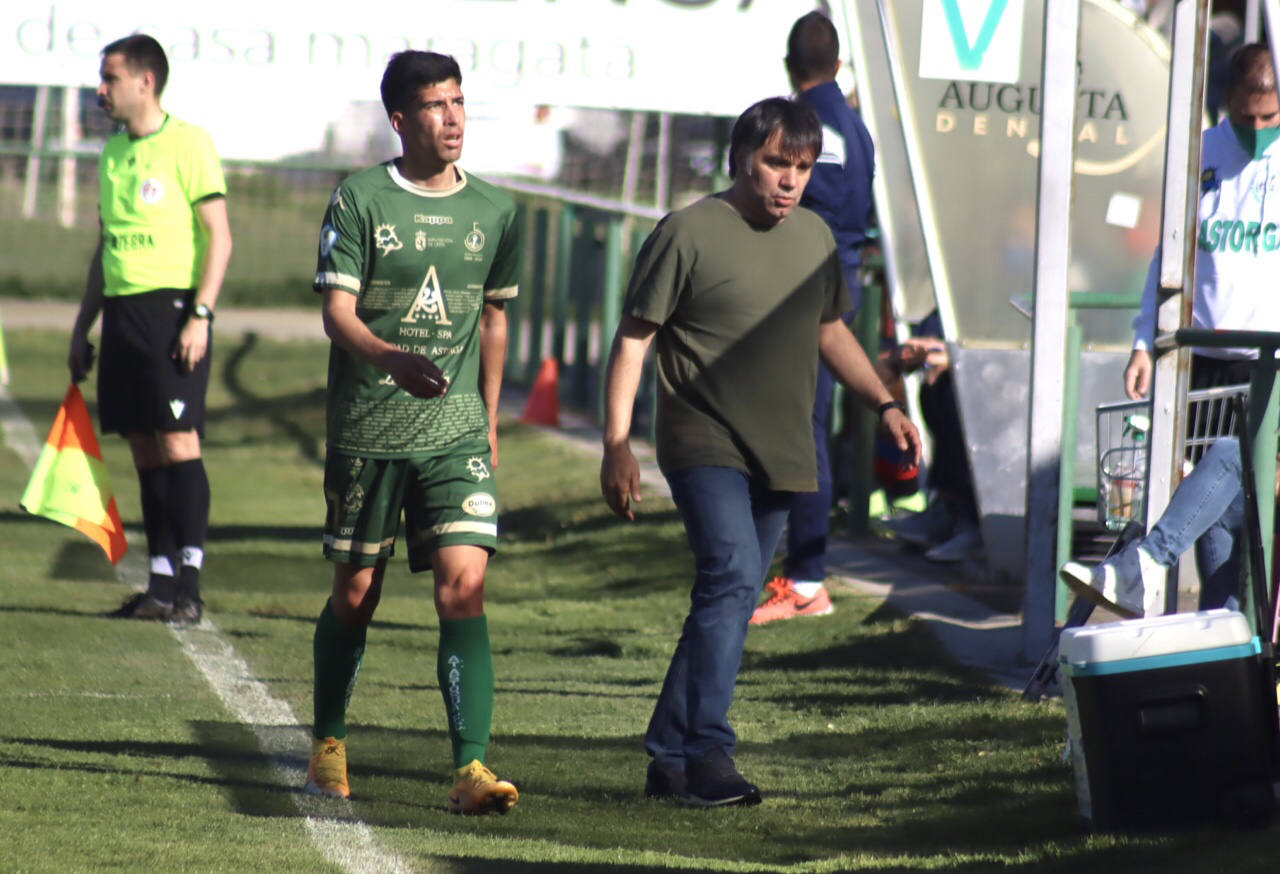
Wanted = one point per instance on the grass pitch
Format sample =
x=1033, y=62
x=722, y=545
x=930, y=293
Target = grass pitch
x=873, y=752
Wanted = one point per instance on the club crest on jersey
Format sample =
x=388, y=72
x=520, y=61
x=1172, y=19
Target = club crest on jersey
x=420, y=241
x=476, y=467
x=474, y=240
x=353, y=500
x=152, y=191
x=384, y=237
x=1209, y=180
x=176, y=406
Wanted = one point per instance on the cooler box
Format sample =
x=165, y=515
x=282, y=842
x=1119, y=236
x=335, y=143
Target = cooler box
x=1170, y=719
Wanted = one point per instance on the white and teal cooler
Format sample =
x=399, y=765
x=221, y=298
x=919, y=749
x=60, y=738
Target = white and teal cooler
x=1170, y=719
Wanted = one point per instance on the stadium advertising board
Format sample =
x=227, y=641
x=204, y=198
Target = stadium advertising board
x=291, y=66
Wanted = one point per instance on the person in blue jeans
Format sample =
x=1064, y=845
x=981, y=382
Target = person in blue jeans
x=1207, y=510
x=743, y=291
x=839, y=191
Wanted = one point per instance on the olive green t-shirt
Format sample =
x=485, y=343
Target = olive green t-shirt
x=739, y=308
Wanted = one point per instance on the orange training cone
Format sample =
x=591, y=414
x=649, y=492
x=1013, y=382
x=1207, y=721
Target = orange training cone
x=543, y=407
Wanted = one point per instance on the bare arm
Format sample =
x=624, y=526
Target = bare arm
x=416, y=374
x=619, y=472
x=80, y=355
x=193, y=341
x=493, y=355
x=849, y=364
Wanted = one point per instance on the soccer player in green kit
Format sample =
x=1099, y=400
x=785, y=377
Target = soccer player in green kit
x=416, y=260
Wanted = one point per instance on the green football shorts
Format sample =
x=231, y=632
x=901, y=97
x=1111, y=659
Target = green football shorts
x=448, y=500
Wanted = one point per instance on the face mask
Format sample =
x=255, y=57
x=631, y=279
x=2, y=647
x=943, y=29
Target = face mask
x=1255, y=141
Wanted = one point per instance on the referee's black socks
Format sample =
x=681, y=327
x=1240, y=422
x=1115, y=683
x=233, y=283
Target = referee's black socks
x=189, y=512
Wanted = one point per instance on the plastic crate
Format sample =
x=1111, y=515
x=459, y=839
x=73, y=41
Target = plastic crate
x=1122, y=430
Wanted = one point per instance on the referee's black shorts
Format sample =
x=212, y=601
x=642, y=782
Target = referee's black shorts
x=141, y=386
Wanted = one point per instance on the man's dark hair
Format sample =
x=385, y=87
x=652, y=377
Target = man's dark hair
x=408, y=72
x=797, y=123
x=1250, y=70
x=813, y=49
x=142, y=54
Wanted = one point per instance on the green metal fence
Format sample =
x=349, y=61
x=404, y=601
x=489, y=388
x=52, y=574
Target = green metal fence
x=577, y=256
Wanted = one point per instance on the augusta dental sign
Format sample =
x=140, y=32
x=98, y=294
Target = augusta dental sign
x=975, y=99
x=698, y=56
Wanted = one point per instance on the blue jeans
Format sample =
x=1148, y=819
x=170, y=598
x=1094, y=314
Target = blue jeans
x=733, y=525
x=1206, y=509
x=811, y=511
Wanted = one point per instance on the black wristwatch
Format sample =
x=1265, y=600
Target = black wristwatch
x=200, y=311
x=889, y=405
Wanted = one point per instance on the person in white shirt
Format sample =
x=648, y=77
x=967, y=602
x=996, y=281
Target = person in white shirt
x=1238, y=239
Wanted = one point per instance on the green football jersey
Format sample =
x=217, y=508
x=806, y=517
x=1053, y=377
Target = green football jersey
x=421, y=263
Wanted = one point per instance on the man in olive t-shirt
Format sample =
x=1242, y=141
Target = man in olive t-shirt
x=743, y=291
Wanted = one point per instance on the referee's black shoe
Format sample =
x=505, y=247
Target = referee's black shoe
x=142, y=606
x=186, y=611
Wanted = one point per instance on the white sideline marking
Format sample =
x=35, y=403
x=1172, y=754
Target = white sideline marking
x=347, y=841
x=19, y=434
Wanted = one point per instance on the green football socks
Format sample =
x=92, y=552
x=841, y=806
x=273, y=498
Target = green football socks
x=337, y=650
x=464, y=666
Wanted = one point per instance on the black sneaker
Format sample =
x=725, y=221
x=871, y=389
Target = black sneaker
x=142, y=606
x=664, y=780
x=714, y=781
x=187, y=611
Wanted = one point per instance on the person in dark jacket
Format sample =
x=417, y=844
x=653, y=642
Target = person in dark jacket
x=839, y=191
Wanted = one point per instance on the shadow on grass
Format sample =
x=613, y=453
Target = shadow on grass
x=585, y=793
x=280, y=412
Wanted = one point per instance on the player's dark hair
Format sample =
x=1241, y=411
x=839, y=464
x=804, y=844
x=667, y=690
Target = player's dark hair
x=142, y=53
x=797, y=123
x=410, y=71
x=1250, y=70
x=813, y=48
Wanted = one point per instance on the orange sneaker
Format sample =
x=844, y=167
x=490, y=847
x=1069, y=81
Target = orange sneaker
x=328, y=772
x=787, y=603
x=478, y=790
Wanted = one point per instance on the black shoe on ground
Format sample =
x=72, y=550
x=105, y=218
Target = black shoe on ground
x=142, y=606
x=187, y=611
x=664, y=780
x=714, y=781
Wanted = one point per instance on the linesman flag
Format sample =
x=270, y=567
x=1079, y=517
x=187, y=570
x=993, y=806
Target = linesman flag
x=70, y=485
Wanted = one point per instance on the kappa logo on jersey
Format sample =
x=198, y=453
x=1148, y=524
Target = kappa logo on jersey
x=176, y=406
x=476, y=467
x=328, y=239
x=474, y=240
x=429, y=304
x=420, y=241
x=384, y=237
x=152, y=191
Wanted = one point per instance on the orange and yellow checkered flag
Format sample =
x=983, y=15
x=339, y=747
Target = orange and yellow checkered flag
x=70, y=485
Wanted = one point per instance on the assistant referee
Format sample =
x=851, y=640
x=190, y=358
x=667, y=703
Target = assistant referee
x=155, y=276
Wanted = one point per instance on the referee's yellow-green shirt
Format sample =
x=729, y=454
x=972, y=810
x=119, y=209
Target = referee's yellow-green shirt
x=148, y=191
